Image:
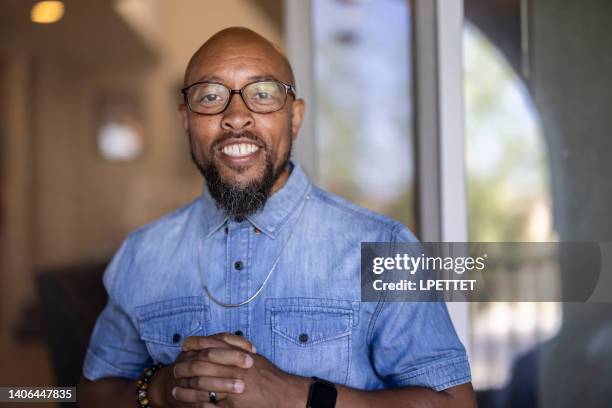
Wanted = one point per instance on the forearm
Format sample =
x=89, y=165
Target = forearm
x=461, y=396
x=107, y=392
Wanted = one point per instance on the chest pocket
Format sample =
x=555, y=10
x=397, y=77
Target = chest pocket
x=164, y=325
x=312, y=337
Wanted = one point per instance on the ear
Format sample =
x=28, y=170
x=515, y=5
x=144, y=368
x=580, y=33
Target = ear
x=183, y=113
x=297, y=115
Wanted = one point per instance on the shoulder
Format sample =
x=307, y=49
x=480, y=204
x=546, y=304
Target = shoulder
x=166, y=227
x=145, y=247
x=344, y=215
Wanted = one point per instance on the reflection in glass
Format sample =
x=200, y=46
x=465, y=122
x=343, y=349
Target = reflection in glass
x=363, y=103
x=508, y=200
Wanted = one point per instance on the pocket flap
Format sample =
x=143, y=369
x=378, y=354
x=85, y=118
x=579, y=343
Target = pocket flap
x=306, y=327
x=161, y=322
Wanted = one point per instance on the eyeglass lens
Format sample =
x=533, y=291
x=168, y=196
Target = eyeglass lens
x=212, y=98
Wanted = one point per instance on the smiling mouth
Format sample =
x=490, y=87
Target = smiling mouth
x=242, y=149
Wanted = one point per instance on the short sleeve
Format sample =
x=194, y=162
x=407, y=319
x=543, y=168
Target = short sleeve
x=115, y=348
x=415, y=344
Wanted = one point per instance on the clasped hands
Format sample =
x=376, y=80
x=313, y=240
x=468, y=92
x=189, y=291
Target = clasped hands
x=229, y=366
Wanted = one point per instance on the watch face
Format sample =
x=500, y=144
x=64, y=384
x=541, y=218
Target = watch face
x=322, y=395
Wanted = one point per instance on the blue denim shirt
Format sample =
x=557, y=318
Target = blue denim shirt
x=308, y=319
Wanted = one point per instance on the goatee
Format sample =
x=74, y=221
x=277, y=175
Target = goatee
x=241, y=199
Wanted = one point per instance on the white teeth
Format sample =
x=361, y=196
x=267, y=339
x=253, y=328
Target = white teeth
x=240, y=149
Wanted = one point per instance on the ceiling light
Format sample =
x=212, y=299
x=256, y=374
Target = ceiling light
x=46, y=12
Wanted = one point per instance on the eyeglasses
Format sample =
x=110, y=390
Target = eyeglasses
x=211, y=98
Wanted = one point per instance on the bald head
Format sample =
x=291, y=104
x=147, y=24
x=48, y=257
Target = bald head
x=234, y=43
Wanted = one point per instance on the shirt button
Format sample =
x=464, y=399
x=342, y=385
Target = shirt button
x=226, y=229
x=238, y=265
x=176, y=338
x=303, y=338
x=239, y=333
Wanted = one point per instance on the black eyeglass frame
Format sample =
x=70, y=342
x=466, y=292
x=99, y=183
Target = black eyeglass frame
x=288, y=88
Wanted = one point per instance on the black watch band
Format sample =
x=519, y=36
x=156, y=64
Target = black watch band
x=322, y=394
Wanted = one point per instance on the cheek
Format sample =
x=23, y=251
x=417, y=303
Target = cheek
x=278, y=133
x=201, y=131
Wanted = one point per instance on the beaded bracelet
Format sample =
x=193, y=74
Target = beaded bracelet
x=142, y=385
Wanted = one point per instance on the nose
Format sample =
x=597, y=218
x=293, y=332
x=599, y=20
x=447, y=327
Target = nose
x=237, y=116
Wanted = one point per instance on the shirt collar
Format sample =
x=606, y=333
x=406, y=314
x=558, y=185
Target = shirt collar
x=275, y=212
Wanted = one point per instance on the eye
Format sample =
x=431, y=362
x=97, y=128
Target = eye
x=262, y=95
x=210, y=98
x=208, y=94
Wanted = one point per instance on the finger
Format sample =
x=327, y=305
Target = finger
x=201, y=368
x=197, y=343
x=218, y=340
x=216, y=384
x=236, y=341
x=184, y=383
x=227, y=357
x=192, y=396
x=186, y=355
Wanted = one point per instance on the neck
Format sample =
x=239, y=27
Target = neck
x=280, y=182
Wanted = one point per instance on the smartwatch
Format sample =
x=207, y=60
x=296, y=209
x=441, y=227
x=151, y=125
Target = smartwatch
x=322, y=394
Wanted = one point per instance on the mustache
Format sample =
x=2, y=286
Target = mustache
x=242, y=135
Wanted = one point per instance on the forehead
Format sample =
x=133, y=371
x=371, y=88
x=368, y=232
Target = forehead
x=236, y=64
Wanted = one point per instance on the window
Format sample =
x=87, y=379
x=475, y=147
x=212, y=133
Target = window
x=364, y=103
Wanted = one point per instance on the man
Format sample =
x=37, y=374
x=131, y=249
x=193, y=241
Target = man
x=268, y=257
